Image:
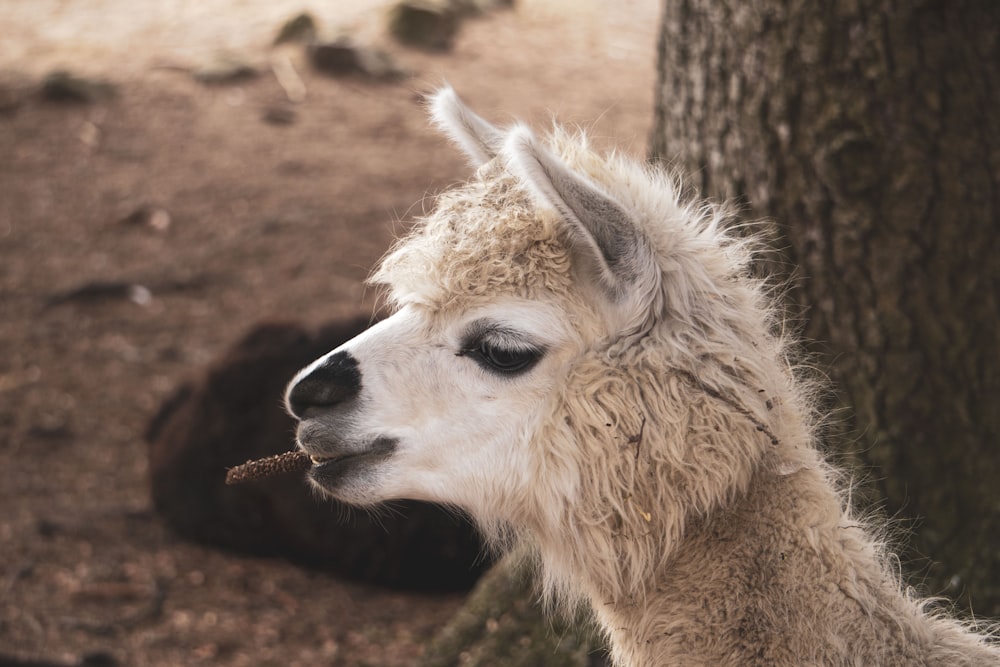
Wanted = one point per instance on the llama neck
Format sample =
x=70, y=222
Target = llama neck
x=707, y=600
x=783, y=577
x=700, y=538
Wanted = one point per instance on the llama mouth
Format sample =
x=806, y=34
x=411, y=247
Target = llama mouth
x=328, y=471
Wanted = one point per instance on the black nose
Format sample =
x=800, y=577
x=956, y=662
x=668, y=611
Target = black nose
x=336, y=380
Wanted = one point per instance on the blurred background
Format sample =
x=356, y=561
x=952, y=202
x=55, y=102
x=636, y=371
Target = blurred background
x=192, y=194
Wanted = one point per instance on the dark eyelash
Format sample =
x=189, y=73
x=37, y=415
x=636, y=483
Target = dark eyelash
x=504, y=361
x=499, y=350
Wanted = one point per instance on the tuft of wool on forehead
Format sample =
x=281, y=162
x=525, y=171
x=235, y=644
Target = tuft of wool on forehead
x=485, y=238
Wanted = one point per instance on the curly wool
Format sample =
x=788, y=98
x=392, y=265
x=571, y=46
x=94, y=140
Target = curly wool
x=483, y=239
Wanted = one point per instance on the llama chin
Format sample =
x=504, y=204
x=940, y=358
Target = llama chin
x=585, y=364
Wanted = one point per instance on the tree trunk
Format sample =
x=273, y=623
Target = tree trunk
x=870, y=134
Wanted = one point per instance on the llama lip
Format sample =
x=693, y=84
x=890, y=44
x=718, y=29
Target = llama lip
x=326, y=460
x=328, y=470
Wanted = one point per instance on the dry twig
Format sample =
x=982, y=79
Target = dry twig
x=271, y=466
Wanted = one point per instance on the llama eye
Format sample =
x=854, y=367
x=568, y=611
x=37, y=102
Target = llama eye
x=504, y=360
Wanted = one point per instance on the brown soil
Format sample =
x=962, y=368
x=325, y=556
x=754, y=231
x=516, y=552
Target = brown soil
x=143, y=233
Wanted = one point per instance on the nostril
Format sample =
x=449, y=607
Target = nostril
x=333, y=381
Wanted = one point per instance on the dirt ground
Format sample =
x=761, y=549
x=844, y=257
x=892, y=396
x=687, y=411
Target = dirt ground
x=188, y=216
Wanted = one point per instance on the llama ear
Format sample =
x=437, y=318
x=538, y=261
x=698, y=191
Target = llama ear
x=598, y=223
x=478, y=139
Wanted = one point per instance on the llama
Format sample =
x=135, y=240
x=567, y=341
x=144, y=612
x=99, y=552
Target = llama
x=584, y=364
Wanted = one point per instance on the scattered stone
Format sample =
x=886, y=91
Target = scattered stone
x=279, y=115
x=224, y=67
x=65, y=87
x=342, y=57
x=298, y=29
x=159, y=220
x=337, y=58
x=379, y=65
x=425, y=24
x=89, y=134
x=153, y=217
x=231, y=413
x=97, y=291
x=103, y=291
x=47, y=528
x=140, y=295
x=52, y=425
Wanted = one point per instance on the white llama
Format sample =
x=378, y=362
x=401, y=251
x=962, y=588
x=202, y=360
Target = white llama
x=583, y=363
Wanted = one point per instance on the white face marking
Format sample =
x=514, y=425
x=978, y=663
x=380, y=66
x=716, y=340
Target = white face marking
x=447, y=406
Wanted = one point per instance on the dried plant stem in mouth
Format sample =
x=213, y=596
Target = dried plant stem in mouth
x=273, y=465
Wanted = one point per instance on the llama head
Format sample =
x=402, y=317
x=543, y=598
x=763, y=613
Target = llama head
x=553, y=320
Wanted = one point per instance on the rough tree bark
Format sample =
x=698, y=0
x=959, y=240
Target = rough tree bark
x=869, y=132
